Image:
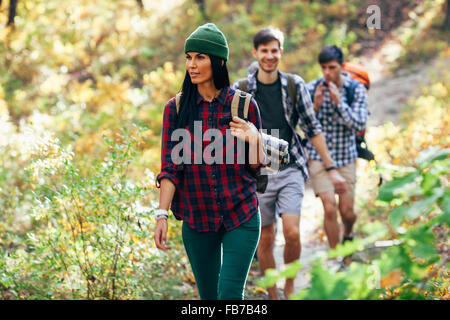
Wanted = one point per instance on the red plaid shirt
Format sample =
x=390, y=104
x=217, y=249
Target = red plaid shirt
x=209, y=195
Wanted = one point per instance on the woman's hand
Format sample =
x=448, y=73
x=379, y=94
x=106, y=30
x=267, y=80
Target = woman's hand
x=244, y=130
x=165, y=198
x=161, y=234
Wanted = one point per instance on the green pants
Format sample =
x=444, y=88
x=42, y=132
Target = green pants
x=221, y=260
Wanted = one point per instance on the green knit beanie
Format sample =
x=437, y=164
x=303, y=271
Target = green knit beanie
x=207, y=39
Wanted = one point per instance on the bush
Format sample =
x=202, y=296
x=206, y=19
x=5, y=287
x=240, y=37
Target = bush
x=93, y=233
x=413, y=266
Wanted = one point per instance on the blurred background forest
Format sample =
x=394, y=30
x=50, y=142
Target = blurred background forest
x=82, y=88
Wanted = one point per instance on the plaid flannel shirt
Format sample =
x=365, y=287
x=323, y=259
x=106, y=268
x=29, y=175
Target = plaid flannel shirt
x=340, y=123
x=210, y=195
x=302, y=113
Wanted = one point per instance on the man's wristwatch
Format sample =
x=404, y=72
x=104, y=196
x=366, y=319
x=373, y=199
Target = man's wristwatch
x=330, y=168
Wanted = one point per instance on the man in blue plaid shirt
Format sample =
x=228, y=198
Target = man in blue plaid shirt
x=340, y=121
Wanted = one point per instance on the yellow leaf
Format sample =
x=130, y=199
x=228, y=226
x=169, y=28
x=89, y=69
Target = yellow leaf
x=259, y=290
x=393, y=279
x=123, y=24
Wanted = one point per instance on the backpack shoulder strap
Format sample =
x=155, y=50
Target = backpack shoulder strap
x=248, y=97
x=243, y=84
x=292, y=88
x=240, y=104
x=177, y=101
x=350, y=91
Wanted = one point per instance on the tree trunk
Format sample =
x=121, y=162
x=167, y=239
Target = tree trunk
x=12, y=12
x=446, y=24
x=249, y=6
x=201, y=5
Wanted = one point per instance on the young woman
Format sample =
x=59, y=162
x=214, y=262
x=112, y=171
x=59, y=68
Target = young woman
x=216, y=202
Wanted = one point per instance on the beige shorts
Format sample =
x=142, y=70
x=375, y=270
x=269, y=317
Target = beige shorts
x=322, y=183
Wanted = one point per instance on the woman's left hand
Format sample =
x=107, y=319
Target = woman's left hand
x=244, y=130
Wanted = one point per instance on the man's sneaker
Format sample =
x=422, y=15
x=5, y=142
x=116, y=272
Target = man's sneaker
x=342, y=267
x=344, y=239
x=347, y=259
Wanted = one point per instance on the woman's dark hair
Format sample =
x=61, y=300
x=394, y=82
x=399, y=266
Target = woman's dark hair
x=330, y=53
x=188, y=112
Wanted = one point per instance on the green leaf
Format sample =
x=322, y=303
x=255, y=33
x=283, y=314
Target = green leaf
x=417, y=208
x=347, y=248
x=326, y=285
x=421, y=243
x=301, y=295
x=430, y=155
x=270, y=279
x=394, y=169
x=444, y=203
x=291, y=270
x=440, y=218
x=423, y=250
x=396, y=216
x=5, y=281
x=429, y=182
x=390, y=190
x=374, y=227
x=414, y=271
x=390, y=260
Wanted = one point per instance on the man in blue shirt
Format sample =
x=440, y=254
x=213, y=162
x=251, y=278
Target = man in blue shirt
x=341, y=116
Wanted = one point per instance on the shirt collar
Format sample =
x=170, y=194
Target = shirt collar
x=252, y=80
x=221, y=98
x=347, y=79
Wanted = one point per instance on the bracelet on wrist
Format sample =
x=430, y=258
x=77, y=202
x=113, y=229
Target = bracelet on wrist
x=161, y=213
x=330, y=168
